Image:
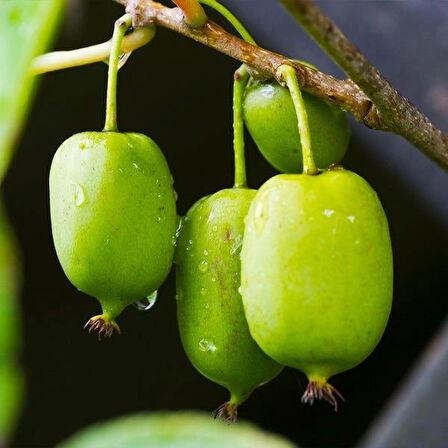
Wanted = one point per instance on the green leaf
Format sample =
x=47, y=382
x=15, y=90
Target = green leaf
x=26, y=28
x=174, y=430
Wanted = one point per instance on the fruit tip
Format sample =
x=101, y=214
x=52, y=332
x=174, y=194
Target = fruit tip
x=104, y=326
x=322, y=391
x=227, y=412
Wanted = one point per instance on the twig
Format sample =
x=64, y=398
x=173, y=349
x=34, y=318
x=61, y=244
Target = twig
x=406, y=120
x=346, y=94
x=397, y=112
x=58, y=60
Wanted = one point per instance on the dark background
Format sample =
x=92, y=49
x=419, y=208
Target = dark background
x=179, y=93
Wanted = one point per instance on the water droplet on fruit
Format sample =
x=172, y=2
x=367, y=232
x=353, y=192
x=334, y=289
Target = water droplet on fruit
x=135, y=166
x=237, y=246
x=173, y=240
x=260, y=216
x=203, y=291
x=267, y=91
x=211, y=216
x=203, y=266
x=328, y=213
x=213, y=279
x=206, y=346
x=215, y=228
x=159, y=218
x=205, y=252
x=240, y=290
x=351, y=218
x=123, y=59
x=147, y=303
x=79, y=196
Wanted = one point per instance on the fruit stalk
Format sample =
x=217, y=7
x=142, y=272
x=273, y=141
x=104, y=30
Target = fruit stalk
x=241, y=77
x=194, y=13
x=58, y=60
x=121, y=25
x=288, y=74
x=239, y=27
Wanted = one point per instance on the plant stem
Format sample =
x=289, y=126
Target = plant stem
x=288, y=74
x=121, y=25
x=239, y=27
x=241, y=77
x=414, y=127
x=58, y=60
x=194, y=13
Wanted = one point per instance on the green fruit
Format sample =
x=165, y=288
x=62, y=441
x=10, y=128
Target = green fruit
x=212, y=324
x=317, y=273
x=173, y=430
x=272, y=122
x=113, y=215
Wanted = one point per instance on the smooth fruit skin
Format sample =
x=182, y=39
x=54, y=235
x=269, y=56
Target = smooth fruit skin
x=271, y=119
x=212, y=324
x=113, y=215
x=317, y=271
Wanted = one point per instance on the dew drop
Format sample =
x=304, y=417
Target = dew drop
x=206, y=346
x=328, y=213
x=351, y=218
x=205, y=252
x=147, y=303
x=215, y=228
x=136, y=166
x=203, y=291
x=267, y=91
x=203, y=266
x=78, y=195
x=237, y=246
x=213, y=279
x=260, y=216
x=159, y=218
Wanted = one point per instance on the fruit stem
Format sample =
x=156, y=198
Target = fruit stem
x=231, y=18
x=194, y=13
x=288, y=74
x=240, y=79
x=121, y=25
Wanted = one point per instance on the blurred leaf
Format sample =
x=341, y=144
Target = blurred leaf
x=174, y=430
x=26, y=28
x=9, y=289
x=11, y=392
x=11, y=382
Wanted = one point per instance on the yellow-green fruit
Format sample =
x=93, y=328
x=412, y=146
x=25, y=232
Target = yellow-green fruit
x=317, y=273
x=113, y=215
x=212, y=324
x=271, y=119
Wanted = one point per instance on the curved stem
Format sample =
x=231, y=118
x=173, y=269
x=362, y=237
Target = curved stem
x=194, y=13
x=231, y=18
x=288, y=74
x=58, y=60
x=241, y=77
x=121, y=25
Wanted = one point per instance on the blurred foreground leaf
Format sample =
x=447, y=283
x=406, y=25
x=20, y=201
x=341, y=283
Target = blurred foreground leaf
x=174, y=430
x=26, y=28
x=11, y=381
